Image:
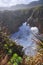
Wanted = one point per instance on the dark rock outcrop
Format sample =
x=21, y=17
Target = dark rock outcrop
x=36, y=18
x=13, y=19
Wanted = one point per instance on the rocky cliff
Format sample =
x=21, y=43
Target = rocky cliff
x=13, y=19
x=36, y=19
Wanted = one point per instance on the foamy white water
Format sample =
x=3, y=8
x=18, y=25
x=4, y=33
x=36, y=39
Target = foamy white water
x=24, y=37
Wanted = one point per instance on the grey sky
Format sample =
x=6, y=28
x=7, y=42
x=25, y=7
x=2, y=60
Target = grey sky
x=14, y=2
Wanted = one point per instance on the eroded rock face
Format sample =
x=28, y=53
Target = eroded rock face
x=36, y=18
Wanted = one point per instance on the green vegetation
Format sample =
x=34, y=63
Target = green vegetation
x=10, y=49
x=15, y=60
x=13, y=54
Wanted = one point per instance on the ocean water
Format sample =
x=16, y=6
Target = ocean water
x=24, y=37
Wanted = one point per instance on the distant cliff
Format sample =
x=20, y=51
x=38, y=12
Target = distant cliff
x=23, y=6
x=13, y=19
x=36, y=19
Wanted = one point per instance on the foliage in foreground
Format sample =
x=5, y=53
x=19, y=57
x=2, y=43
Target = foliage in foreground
x=15, y=60
x=12, y=54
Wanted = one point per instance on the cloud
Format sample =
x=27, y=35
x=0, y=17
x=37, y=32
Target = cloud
x=6, y=1
x=13, y=2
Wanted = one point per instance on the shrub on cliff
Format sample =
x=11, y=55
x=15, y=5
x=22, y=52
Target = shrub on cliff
x=9, y=49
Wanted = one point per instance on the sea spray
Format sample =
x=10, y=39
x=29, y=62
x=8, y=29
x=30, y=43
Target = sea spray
x=24, y=37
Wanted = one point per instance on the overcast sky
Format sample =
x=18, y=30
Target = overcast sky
x=14, y=2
